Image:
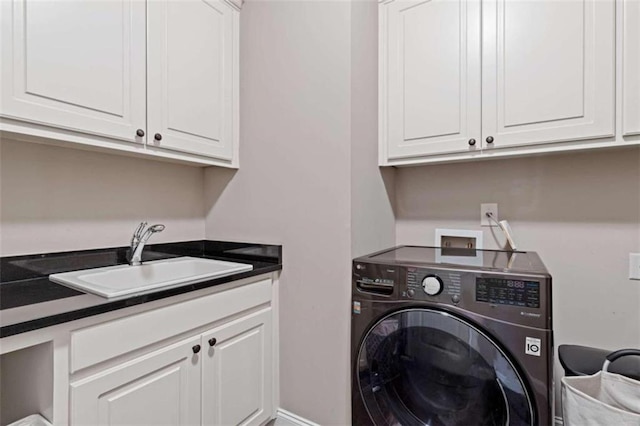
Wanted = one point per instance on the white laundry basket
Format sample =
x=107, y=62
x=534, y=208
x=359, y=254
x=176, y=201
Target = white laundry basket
x=602, y=399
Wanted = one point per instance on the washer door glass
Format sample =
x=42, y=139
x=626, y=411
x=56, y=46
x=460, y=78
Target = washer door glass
x=428, y=367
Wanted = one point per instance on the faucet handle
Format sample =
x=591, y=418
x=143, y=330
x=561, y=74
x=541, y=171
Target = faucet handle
x=149, y=232
x=138, y=232
x=156, y=228
x=139, y=239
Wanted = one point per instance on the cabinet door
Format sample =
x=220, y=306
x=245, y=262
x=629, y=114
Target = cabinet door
x=548, y=71
x=192, y=102
x=429, y=77
x=76, y=65
x=237, y=372
x=631, y=67
x=162, y=388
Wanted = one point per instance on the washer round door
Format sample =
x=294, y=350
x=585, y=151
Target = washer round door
x=428, y=367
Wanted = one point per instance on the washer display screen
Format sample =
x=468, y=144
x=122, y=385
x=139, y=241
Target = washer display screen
x=504, y=291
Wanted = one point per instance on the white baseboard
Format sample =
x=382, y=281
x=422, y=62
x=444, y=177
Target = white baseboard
x=286, y=418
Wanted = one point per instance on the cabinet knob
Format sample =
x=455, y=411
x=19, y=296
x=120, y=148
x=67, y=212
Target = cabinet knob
x=472, y=142
x=196, y=349
x=489, y=139
x=212, y=341
x=140, y=132
x=157, y=137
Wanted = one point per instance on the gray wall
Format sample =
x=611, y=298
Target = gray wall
x=58, y=199
x=309, y=180
x=372, y=188
x=579, y=211
x=293, y=188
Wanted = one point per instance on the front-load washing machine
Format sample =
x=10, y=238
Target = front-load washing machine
x=451, y=337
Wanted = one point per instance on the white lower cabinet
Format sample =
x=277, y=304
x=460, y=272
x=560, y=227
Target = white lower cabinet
x=216, y=367
x=237, y=372
x=161, y=388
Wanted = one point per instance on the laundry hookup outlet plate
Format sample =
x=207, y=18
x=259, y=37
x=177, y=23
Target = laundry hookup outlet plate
x=458, y=239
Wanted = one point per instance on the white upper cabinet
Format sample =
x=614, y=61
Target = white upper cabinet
x=548, y=71
x=156, y=77
x=631, y=67
x=76, y=65
x=429, y=77
x=461, y=79
x=192, y=60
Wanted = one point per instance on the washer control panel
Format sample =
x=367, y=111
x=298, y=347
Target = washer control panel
x=522, y=298
x=517, y=298
x=507, y=291
x=432, y=285
x=425, y=284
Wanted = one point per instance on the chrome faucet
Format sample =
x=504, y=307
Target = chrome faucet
x=139, y=239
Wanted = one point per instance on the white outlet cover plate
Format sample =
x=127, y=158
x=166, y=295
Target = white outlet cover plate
x=476, y=260
x=484, y=209
x=634, y=266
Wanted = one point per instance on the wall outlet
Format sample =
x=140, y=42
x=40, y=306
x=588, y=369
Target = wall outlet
x=489, y=208
x=634, y=266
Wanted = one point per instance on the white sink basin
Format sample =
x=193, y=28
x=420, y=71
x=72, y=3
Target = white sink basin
x=126, y=280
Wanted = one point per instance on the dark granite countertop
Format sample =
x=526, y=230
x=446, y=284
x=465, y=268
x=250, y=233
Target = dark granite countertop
x=29, y=300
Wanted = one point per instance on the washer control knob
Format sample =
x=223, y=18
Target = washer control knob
x=411, y=292
x=455, y=298
x=432, y=285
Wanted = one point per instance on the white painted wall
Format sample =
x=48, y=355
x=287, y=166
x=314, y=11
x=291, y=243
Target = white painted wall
x=59, y=199
x=579, y=211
